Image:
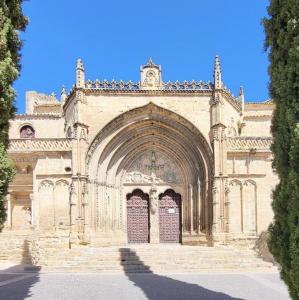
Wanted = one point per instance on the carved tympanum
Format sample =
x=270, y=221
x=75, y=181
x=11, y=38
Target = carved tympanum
x=155, y=164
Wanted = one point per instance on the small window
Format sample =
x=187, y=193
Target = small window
x=27, y=132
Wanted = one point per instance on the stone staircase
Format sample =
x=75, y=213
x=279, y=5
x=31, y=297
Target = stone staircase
x=49, y=255
x=157, y=259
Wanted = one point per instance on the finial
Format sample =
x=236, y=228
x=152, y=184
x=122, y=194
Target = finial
x=80, y=65
x=242, y=99
x=63, y=94
x=80, y=74
x=217, y=61
x=53, y=95
x=217, y=73
x=150, y=62
x=241, y=91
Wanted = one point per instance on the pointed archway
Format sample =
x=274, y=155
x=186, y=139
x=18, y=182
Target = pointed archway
x=119, y=160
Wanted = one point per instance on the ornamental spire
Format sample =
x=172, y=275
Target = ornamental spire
x=63, y=95
x=80, y=74
x=242, y=99
x=217, y=73
x=150, y=63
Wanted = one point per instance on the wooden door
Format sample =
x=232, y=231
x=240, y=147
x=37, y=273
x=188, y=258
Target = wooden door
x=138, y=217
x=170, y=217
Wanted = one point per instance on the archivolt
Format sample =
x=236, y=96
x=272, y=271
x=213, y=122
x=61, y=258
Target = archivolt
x=150, y=125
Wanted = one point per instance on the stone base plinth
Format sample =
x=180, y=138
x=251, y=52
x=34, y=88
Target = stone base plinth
x=109, y=238
x=195, y=239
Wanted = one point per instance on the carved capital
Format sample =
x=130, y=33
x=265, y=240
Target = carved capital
x=215, y=134
x=214, y=188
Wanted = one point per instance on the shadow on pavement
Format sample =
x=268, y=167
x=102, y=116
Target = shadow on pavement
x=16, y=281
x=161, y=287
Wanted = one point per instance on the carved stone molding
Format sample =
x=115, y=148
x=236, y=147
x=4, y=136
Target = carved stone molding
x=41, y=116
x=39, y=145
x=135, y=86
x=248, y=143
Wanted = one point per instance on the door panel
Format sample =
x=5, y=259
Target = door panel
x=170, y=217
x=138, y=217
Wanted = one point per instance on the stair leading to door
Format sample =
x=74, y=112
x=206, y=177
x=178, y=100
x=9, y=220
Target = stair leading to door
x=53, y=256
x=162, y=258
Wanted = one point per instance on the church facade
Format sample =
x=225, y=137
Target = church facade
x=118, y=162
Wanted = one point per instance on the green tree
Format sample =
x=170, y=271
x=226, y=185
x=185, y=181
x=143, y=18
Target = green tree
x=282, y=41
x=12, y=21
x=6, y=175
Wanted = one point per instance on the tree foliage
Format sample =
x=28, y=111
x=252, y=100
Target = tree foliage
x=6, y=175
x=282, y=41
x=11, y=22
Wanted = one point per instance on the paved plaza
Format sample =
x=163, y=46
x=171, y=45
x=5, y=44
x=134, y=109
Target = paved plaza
x=60, y=286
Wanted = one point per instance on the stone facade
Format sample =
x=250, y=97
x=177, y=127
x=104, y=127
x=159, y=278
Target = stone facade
x=109, y=151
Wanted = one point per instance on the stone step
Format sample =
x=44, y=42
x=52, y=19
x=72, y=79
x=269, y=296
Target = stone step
x=131, y=269
x=54, y=256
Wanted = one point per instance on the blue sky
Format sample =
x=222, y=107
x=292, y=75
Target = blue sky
x=115, y=37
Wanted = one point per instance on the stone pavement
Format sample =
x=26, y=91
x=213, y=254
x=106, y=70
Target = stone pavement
x=67, y=286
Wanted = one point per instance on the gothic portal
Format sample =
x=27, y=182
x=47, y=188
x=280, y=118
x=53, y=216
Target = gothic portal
x=117, y=162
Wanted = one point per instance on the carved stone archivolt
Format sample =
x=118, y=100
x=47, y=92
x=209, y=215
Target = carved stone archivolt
x=154, y=112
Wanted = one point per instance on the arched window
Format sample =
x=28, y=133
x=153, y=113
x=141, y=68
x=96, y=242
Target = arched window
x=27, y=132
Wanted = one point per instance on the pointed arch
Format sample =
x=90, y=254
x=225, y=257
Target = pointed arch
x=235, y=208
x=150, y=111
x=131, y=135
x=249, y=195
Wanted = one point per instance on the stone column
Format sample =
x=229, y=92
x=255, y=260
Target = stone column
x=227, y=207
x=73, y=235
x=154, y=216
x=198, y=206
x=191, y=208
x=9, y=211
x=216, y=207
x=85, y=213
x=32, y=209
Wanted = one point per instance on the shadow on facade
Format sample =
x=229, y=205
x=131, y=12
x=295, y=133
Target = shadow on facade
x=19, y=279
x=161, y=287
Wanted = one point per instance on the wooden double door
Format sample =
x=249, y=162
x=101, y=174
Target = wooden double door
x=138, y=217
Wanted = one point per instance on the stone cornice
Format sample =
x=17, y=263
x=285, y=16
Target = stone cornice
x=256, y=117
x=269, y=102
x=185, y=88
x=130, y=88
x=37, y=116
x=148, y=92
x=39, y=145
x=233, y=101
